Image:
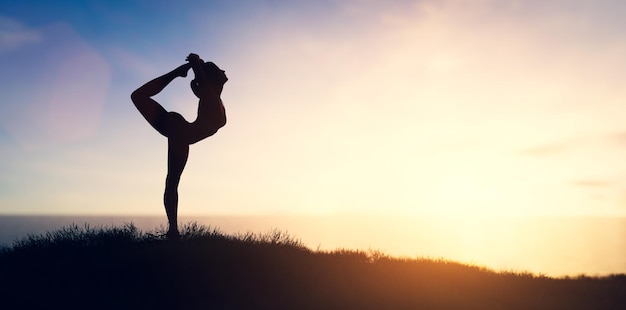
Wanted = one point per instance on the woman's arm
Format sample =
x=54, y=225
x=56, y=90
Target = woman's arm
x=203, y=87
x=197, y=64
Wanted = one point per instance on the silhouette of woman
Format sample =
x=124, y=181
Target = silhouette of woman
x=207, y=86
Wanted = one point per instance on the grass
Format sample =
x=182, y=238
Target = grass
x=125, y=268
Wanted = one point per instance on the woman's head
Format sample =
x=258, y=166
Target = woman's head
x=214, y=74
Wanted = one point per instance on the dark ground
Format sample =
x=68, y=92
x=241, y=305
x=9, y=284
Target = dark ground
x=123, y=268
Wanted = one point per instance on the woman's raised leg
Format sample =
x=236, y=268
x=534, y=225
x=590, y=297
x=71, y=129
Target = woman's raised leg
x=151, y=110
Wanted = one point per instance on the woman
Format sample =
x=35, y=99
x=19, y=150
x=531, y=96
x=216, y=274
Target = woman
x=207, y=86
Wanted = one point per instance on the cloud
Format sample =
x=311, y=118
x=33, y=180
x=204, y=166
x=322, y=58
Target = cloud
x=134, y=63
x=546, y=150
x=14, y=35
x=619, y=137
x=592, y=183
x=614, y=142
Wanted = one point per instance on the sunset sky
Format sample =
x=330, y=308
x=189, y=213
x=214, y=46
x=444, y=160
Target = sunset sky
x=486, y=107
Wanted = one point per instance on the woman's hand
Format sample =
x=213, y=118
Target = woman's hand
x=194, y=58
x=197, y=65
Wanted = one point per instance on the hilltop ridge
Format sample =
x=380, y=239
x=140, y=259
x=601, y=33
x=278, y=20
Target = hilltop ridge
x=123, y=268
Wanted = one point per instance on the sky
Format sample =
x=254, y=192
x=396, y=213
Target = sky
x=470, y=108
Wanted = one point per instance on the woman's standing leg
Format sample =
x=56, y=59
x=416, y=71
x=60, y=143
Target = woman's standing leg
x=177, y=154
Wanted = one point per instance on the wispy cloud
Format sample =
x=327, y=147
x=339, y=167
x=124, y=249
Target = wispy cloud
x=133, y=62
x=609, y=141
x=14, y=35
x=546, y=150
x=619, y=137
x=592, y=183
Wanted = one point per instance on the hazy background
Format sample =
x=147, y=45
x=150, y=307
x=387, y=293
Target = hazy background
x=404, y=108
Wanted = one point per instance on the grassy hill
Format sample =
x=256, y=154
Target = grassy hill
x=124, y=268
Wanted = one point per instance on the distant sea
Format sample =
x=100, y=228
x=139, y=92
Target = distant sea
x=553, y=246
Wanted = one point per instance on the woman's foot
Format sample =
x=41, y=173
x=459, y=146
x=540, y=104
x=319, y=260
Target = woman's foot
x=182, y=70
x=173, y=234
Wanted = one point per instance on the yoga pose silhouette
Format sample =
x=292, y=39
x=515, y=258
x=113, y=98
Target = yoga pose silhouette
x=207, y=86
